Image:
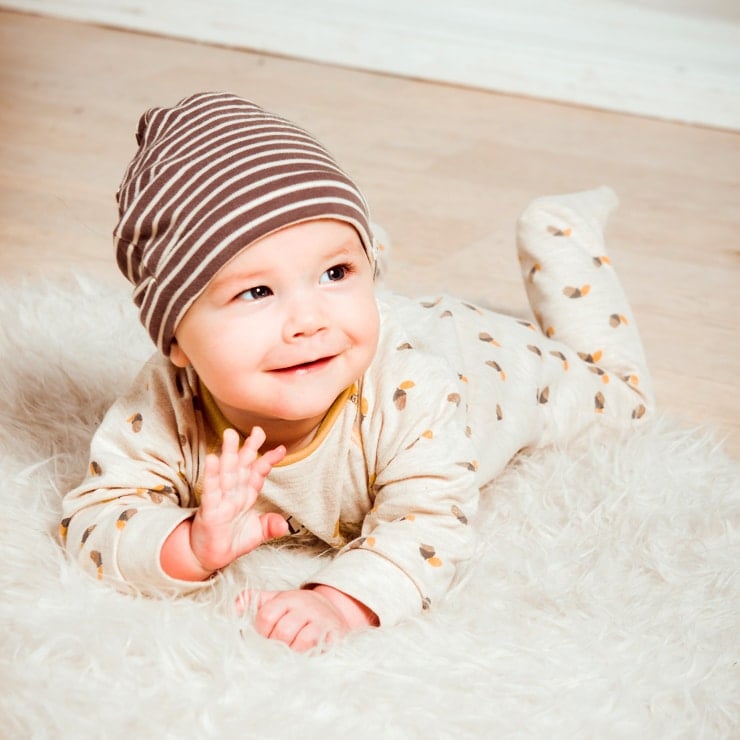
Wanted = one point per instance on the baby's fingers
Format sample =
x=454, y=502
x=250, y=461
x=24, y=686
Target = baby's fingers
x=211, y=493
x=250, y=449
x=274, y=456
x=229, y=461
x=265, y=463
x=258, y=471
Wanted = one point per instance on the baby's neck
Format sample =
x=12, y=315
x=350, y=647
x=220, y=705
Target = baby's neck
x=294, y=435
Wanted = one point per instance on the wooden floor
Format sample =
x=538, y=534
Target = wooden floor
x=677, y=60
x=446, y=171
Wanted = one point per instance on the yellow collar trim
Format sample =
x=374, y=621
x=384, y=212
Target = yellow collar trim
x=218, y=423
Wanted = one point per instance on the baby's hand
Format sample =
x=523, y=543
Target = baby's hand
x=225, y=526
x=305, y=618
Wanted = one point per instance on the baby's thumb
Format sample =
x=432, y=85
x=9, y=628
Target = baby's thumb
x=273, y=525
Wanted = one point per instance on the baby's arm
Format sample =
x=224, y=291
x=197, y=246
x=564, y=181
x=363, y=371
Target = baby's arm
x=147, y=460
x=225, y=527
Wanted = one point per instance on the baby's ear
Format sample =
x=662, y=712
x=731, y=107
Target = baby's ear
x=382, y=244
x=177, y=355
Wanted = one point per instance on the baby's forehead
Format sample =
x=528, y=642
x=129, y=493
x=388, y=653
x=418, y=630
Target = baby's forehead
x=323, y=235
x=293, y=247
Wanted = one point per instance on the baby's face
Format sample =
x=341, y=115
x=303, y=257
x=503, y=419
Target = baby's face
x=284, y=327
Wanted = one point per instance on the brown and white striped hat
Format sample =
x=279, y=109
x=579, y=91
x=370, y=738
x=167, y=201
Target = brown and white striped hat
x=212, y=175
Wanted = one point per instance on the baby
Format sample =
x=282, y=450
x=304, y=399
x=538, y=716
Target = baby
x=290, y=398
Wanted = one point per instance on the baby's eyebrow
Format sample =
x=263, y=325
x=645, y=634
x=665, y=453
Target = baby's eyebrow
x=238, y=279
x=337, y=255
x=344, y=250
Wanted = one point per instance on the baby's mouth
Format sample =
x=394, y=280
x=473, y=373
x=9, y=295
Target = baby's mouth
x=306, y=367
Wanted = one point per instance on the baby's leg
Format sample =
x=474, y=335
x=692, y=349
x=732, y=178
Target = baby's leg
x=578, y=301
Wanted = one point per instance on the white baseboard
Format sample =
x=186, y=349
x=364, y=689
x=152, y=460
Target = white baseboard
x=611, y=54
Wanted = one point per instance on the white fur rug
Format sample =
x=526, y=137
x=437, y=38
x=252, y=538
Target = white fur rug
x=604, y=600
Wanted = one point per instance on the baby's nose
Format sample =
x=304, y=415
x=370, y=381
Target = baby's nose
x=305, y=318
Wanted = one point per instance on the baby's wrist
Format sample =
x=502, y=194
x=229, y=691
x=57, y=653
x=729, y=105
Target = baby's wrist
x=178, y=557
x=354, y=612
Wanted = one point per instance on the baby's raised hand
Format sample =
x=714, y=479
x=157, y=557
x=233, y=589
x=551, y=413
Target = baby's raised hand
x=225, y=526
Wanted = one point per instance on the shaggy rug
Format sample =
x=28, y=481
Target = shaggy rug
x=603, y=601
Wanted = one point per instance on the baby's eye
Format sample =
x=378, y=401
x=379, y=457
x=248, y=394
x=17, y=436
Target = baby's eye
x=254, y=294
x=335, y=274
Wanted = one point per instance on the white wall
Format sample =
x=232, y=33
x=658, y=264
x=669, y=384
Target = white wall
x=674, y=59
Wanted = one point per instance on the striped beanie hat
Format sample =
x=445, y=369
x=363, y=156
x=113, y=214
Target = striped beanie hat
x=212, y=175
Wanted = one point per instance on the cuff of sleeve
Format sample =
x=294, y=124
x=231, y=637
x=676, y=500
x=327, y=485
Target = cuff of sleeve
x=374, y=581
x=139, y=552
